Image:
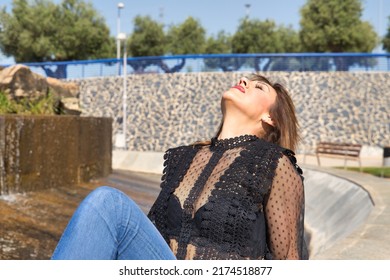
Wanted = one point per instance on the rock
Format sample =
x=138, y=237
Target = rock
x=67, y=93
x=69, y=106
x=18, y=81
x=63, y=89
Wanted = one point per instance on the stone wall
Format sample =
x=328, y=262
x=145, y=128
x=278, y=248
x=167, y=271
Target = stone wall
x=40, y=152
x=166, y=110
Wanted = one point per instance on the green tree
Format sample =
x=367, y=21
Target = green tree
x=336, y=26
x=25, y=34
x=255, y=36
x=187, y=38
x=148, y=39
x=288, y=40
x=39, y=30
x=221, y=44
x=386, y=39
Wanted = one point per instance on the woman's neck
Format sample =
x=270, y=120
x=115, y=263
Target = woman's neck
x=232, y=128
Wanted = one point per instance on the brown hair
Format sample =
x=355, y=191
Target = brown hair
x=282, y=112
x=285, y=120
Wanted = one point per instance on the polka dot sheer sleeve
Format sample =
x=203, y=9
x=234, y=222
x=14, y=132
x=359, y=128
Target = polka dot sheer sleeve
x=285, y=213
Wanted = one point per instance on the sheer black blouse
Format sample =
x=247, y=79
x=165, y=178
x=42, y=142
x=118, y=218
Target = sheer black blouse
x=237, y=198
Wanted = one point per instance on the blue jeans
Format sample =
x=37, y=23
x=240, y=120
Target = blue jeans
x=109, y=225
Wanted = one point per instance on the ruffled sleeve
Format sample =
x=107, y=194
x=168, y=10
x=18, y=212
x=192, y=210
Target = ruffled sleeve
x=284, y=212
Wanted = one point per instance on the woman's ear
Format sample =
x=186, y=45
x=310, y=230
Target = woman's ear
x=268, y=120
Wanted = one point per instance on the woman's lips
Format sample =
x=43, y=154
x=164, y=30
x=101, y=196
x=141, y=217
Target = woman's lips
x=240, y=88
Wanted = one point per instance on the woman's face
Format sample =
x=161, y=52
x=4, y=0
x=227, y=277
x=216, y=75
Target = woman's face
x=250, y=99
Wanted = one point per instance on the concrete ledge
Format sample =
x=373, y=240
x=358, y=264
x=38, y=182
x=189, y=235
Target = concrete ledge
x=370, y=240
x=335, y=207
x=148, y=162
x=41, y=152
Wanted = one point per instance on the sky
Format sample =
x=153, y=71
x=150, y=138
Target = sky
x=217, y=15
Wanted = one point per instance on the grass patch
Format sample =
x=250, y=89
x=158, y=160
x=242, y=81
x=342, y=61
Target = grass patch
x=40, y=106
x=376, y=171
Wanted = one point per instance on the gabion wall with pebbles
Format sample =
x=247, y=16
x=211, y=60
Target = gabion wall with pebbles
x=168, y=110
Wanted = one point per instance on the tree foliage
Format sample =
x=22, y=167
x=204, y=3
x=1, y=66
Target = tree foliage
x=255, y=36
x=26, y=34
x=221, y=44
x=336, y=26
x=187, y=38
x=386, y=39
x=82, y=32
x=148, y=38
x=40, y=30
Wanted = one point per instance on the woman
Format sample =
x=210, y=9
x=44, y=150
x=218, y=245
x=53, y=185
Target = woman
x=238, y=196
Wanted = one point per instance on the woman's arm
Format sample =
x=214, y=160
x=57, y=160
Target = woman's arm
x=284, y=212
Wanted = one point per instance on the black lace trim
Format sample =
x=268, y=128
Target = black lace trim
x=291, y=156
x=185, y=233
x=233, y=142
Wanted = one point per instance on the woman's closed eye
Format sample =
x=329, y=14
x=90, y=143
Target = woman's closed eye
x=259, y=86
x=262, y=86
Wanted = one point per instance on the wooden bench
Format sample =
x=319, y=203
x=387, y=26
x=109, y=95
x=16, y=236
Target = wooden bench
x=345, y=151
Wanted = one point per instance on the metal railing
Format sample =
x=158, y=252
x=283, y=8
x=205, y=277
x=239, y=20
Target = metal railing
x=215, y=63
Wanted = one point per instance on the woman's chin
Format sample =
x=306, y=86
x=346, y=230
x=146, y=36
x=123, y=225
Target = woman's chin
x=229, y=95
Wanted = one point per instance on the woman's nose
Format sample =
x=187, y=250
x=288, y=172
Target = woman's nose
x=243, y=82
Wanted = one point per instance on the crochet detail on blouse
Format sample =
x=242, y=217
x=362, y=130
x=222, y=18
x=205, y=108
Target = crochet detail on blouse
x=237, y=198
x=229, y=143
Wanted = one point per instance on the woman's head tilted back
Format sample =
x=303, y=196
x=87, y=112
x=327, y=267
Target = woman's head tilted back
x=284, y=131
x=267, y=107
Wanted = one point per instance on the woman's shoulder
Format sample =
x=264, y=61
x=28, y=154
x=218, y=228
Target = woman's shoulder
x=183, y=148
x=179, y=152
x=293, y=160
x=280, y=153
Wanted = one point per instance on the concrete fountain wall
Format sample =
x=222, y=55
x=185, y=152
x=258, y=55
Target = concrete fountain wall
x=40, y=152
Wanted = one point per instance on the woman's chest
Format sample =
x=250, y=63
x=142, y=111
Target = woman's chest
x=205, y=175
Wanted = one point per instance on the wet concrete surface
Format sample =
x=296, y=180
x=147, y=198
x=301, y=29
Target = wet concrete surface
x=32, y=223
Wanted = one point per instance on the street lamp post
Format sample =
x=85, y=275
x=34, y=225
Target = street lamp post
x=122, y=137
x=118, y=31
x=247, y=6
